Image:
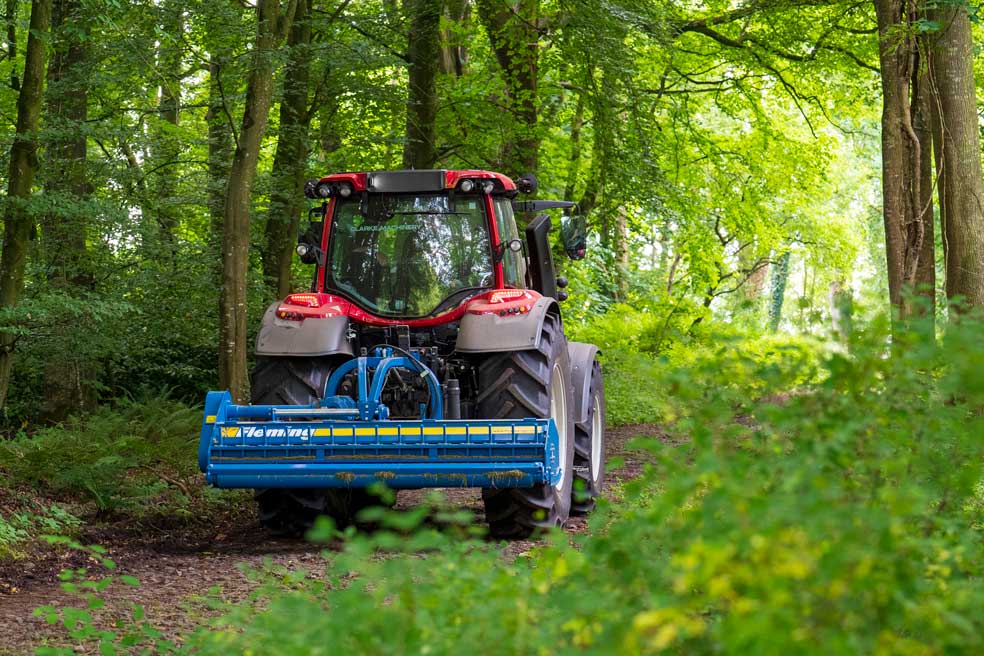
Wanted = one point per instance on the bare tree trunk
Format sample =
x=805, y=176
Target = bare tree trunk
x=513, y=29
x=10, y=17
x=424, y=52
x=290, y=161
x=959, y=148
x=68, y=377
x=18, y=223
x=622, y=252
x=905, y=210
x=601, y=157
x=235, y=233
x=780, y=276
x=752, y=290
x=167, y=147
x=574, y=170
x=925, y=280
x=219, y=146
x=454, y=52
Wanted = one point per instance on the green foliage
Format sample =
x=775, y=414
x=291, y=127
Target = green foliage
x=845, y=518
x=56, y=330
x=116, y=457
x=646, y=356
x=697, y=161
x=19, y=529
x=80, y=624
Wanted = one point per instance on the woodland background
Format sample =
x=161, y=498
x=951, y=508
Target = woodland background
x=785, y=275
x=727, y=154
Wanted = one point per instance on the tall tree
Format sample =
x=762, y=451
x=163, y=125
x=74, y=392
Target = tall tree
x=424, y=56
x=10, y=18
x=454, y=51
x=271, y=24
x=513, y=27
x=219, y=144
x=958, y=147
x=290, y=161
x=907, y=205
x=167, y=143
x=68, y=377
x=17, y=217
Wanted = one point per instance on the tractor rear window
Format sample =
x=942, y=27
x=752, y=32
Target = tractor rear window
x=409, y=255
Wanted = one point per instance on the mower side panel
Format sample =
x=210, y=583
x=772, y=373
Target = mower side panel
x=582, y=360
x=311, y=337
x=490, y=333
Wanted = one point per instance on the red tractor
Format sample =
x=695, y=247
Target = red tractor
x=429, y=352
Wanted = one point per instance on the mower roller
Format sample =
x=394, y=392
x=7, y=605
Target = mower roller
x=429, y=352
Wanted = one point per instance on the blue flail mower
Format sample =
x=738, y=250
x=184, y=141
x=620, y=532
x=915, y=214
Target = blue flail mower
x=340, y=442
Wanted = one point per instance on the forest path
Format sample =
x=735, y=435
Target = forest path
x=176, y=569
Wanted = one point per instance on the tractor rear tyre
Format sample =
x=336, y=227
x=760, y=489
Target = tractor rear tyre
x=523, y=384
x=589, y=447
x=291, y=512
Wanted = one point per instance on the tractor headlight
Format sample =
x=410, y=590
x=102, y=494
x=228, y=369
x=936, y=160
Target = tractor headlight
x=344, y=190
x=488, y=186
x=323, y=189
x=302, y=250
x=467, y=186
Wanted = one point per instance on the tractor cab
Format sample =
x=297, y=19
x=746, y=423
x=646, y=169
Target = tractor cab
x=415, y=244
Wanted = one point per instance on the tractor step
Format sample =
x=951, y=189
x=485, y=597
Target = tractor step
x=293, y=447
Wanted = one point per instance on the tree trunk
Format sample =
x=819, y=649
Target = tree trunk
x=752, y=290
x=574, y=168
x=290, y=161
x=68, y=376
x=424, y=54
x=959, y=147
x=906, y=211
x=925, y=275
x=235, y=229
x=219, y=146
x=601, y=158
x=18, y=219
x=622, y=252
x=167, y=148
x=10, y=17
x=514, y=34
x=454, y=52
x=780, y=276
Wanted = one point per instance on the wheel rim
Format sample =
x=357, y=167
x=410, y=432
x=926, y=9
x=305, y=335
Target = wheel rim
x=597, y=426
x=558, y=412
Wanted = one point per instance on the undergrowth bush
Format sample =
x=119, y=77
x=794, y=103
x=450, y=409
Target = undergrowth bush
x=120, y=455
x=645, y=385
x=846, y=518
x=20, y=527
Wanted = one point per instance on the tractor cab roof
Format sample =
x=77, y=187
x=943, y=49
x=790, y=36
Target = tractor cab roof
x=410, y=181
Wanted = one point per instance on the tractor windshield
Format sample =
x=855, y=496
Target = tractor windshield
x=409, y=255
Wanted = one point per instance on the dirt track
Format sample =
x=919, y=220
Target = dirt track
x=176, y=565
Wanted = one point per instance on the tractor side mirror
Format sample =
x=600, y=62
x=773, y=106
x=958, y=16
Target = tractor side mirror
x=309, y=242
x=574, y=236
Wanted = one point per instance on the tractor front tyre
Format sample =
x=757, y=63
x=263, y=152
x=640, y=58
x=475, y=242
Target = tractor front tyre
x=291, y=512
x=589, y=447
x=523, y=384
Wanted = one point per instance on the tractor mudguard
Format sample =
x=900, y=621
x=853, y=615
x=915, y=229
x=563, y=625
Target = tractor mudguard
x=490, y=333
x=311, y=337
x=582, y=359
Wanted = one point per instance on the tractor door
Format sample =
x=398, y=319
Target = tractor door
x=513, y=262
